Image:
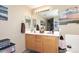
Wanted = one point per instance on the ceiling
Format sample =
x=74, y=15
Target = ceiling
x=34, y=6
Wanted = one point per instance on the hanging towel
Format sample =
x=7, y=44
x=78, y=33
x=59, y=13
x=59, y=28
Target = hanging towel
x=22, y=28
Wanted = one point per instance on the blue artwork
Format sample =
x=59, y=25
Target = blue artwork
x=3, y=12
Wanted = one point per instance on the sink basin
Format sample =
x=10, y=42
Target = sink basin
x=48, y=32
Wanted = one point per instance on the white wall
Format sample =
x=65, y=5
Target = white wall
x=12, y=28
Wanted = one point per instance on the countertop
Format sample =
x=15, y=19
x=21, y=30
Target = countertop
x=56, y=33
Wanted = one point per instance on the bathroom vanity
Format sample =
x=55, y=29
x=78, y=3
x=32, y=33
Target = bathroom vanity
x=41, y=42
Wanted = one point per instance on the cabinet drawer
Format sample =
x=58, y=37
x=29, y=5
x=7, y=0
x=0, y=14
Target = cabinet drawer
x=38, y=38
x=30, y=36
x=49, y=37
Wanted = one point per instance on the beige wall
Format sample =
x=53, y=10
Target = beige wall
x=11, y=28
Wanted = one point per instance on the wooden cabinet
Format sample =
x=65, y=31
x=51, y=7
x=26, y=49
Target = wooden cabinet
x=42, y=43
x=39, y=44
x=30, y=41
x=50, y=44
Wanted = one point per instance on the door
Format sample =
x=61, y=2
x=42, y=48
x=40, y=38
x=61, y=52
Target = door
x=38, y=44
x=30, y=41
x=50, y=44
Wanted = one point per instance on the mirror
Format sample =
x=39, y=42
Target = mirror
x=49, y=19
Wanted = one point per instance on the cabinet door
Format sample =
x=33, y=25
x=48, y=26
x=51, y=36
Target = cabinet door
x=30, y=40
x=38, y=44
x=50, y=44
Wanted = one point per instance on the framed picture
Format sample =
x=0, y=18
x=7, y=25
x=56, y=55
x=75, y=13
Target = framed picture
x=3, y=12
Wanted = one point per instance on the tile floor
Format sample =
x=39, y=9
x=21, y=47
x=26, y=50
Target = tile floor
x=30, y=51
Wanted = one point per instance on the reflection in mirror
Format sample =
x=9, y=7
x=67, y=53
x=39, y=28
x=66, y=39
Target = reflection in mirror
x=49, y=19
x=27, y=23
x=34, y=23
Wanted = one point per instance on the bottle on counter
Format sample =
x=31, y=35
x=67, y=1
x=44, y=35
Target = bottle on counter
x=62, y=43
x=42, y=29
x=37, y=27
